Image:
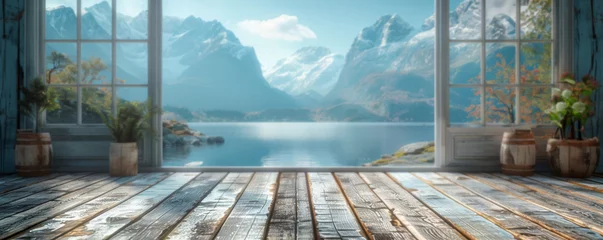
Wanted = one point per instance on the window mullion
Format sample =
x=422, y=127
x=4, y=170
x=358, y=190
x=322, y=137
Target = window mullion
x=518, y=62
x=79, y=61
x=114, y=58
x=483, y=63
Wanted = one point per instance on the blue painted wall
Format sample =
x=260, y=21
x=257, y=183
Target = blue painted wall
x=8, y=80
x=588, y=52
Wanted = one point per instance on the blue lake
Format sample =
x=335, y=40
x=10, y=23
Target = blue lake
x=297, y=144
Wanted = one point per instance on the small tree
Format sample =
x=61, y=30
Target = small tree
x=38, y=98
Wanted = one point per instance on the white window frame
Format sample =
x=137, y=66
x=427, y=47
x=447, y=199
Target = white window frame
x=481, y=140
x=445, y=134
x=114, y=41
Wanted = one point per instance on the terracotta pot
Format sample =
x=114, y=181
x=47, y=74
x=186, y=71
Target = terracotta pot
x=518, y=153
x=573, y=158
x=33, y=154
x=123, y=159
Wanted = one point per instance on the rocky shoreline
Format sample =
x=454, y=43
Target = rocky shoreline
x=420, y=153
x=177, y=133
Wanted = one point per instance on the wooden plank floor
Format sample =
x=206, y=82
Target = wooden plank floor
x=289, y=205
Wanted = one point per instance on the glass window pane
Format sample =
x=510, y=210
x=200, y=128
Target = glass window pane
x=131, y=94
x=132, y=19
x=60, y=63
x=534, y=101
x=132, y=63
x=97, y=18
x=536, y=19
x=500, y=19
x=95, y=100
x=465, y=63
x=465, y=105
x=67, y=113
x=96, y=63
x=536, y=63
x=61, y=19
x=500, y=105
x=465, y=20
x=500, y=63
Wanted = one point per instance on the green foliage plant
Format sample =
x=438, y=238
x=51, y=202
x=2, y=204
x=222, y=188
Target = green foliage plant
x=38, y=98
x=572, y=106
x=132, y=121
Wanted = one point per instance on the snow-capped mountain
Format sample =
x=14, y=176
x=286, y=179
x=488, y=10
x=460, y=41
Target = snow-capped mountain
x=389, y=68
x=308, y=70
x=198, y=55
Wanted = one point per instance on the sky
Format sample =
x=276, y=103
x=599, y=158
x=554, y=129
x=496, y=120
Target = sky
x=277, y=28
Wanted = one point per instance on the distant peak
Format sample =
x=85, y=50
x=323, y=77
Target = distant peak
x=56, y=8
x=313, y=50
x=101, y=7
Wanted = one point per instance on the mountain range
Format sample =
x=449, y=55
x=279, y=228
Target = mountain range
x=386, y=75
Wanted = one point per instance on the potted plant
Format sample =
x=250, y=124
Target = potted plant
x=572, y=155
x=127, y=129
x=33, y=150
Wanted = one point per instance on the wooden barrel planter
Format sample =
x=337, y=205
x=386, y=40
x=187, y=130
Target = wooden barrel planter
x=33, y=154
x=123, y=159
x=518, y=153
x=573, y=158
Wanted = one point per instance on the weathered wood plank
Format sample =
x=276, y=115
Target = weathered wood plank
x=38, y=187
x=569, y=211
x=157, y=223
x=205, y=220
x=539, y=215
x=249, y=217
x=334, y=218
x=305, y=224
x=24, y=182
x=521, y=228
x=464, y=219
x=36, y=199
x=284, y=215
x=569, y=187
x=19, y=222
x=115, y=219
x=552, y=192
x=374, y=215
x=421, y=221
x=9, y=178
x=72, y=218
x=585, y=183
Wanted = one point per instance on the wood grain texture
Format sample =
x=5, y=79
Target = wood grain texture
x=374, y=215
x=571, y=212
x=109, y=222
x=207, y=217
x=72, y=218
x=9, y=178
x=249, y=217
x=464, y=219
x=157, y=223
x=583, y=202
x=22, y=182
x=585, y=183
x=334, y=218
x=19, y=222
x=421, y=221
x=38, y=187
x=284, y=216
x=36, y=199
x=537, y=214
x=569, y=188
x=518, y=226
x=305, y=224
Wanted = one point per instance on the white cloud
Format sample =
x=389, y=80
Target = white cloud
x=283, y=27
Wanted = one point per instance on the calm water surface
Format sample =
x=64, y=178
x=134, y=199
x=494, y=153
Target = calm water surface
x=297, y=144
